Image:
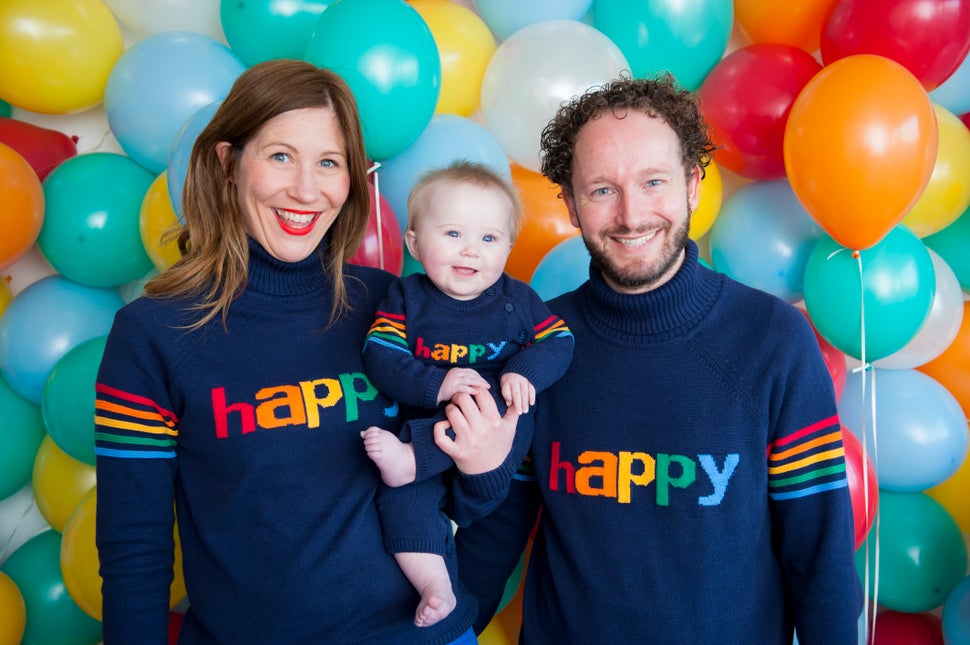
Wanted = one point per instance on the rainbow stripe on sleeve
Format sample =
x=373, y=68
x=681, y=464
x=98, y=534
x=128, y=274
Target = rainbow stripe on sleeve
x=551, y=327
x=806, y=462
x=131, y=426
x=389, y=330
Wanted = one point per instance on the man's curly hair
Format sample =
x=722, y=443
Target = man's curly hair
x=658, y=97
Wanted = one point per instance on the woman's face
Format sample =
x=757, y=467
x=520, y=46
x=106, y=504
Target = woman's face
x=291, y=181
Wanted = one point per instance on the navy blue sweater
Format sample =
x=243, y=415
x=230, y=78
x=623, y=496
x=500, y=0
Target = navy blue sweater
x=691, y=473
x=253, y=436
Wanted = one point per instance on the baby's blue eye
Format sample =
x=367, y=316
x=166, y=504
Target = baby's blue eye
x=489, y=238
x=453, y=234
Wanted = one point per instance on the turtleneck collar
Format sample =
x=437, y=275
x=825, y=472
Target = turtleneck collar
x=272, y=276
x=663, y=313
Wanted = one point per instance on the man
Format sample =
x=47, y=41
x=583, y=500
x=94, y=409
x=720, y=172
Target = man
x=689, y=464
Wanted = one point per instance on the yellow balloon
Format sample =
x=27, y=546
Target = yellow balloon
x=60, y=482
x=79, y=560
x=465, y=45
x=947, y=195
x=55, y=55
x=157, y=219
x=6, y=295
x=13, y=612
x=708, y=203
x=952, y=495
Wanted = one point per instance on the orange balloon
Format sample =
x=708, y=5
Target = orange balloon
x=546, y=222
x=859, y=147
x=792, y=23
x=157, y=218
x=952, y=367
x=22, y=210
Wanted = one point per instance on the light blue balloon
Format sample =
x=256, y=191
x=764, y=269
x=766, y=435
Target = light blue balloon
x=763, y=237
x=447, y=138
x=919, y=437
x=562, y=269
x=45, y=321
x=178, y=158
x=685, y=37
x=956, y=615
x=158, y=83
x=954, y=92
x=505, y=17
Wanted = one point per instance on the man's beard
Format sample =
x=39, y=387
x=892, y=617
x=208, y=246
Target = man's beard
x=640, y=277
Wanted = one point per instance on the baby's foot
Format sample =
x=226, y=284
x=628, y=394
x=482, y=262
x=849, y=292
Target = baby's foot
x=394, y=458
x=436, y=604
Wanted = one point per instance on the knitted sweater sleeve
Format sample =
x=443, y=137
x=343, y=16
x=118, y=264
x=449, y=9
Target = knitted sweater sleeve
x=545, y=359
x=136, y=433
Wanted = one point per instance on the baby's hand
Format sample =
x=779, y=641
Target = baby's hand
x=518, y=392
x=460, y=379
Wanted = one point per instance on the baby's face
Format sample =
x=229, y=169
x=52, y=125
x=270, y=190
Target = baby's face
x=463, y=238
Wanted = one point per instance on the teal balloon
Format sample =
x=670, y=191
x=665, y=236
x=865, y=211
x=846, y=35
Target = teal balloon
x=894, y=290
x=261, y=30
x=951, y=243
x=21, y=431
x=67, y=402
x=92, y=214
x=684, y=37
x=386, y=53
x=5, y=109
x=922, y=555
x=52, y=615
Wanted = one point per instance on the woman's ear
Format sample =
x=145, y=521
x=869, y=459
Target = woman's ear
x=223, y=150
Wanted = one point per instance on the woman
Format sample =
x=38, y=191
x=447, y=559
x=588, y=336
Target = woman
x=234, y=391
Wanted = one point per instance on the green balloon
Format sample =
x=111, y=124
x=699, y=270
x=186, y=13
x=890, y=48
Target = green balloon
x=21, y=431
x=52, y=615
x=67, y=402
x=92, y=216
x=5, y=109
x=922, y=555
x=951, y=244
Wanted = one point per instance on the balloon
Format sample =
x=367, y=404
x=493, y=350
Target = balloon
x=447, y=138
x=155, y=220
x=545, y=225
x=919, y=436
x=533, y=72
x=857, y=161
x=90, y=232
x=763, y=237
x=902, y=628
x=21, y=431
x=178, y=157
x=941, y=326
x=951, y=243
x=952, y=495
x=791, y=23
x=954, y=93
x=465, y=46
x=684, y=38
x=67, y=402
x=956, y=615
x=20, y=520
x=266, y=29
x=23, y=206
x=709, y=195
x=44, y=322
x=43, y=149
x=746, y=99
x=505, y=17
x=384, y=251
x=5, y=295
x=59, y=481
x=158, y=83
x=5, y=109
x=153, y=16
x=863, y=487
x=922, y=555
x=387, y=54
x=55, y=56
x=88, y=130
x=947, y=195
x=952, y=366
x=930, y=39
x=52, y=615
x=13, y=612
x=562, y=269
x=833, y=358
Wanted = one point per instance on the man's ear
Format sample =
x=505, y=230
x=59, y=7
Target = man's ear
x=567, y=197
x=693, y=188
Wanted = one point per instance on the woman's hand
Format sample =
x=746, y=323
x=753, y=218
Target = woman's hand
x=483, y=438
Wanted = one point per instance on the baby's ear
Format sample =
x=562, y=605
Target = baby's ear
x=411, y=239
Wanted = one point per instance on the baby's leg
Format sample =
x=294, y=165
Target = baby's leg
x=394, y=458
x=429, y=575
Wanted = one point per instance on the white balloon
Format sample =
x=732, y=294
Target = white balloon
x=20, y=520
x=90, y=127
x=154, y=16
x=537, y=69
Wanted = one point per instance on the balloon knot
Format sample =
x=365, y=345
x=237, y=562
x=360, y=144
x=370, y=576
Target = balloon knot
x=855, y=255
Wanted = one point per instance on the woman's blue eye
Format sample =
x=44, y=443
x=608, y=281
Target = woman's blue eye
x=280, y=156
x=328, y=163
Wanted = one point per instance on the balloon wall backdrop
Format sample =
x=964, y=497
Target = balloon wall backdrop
x=841, y=185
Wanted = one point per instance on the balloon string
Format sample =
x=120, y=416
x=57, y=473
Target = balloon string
x=377, y=211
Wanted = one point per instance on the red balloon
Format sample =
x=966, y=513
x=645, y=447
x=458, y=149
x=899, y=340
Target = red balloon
x=174, y=624
x=384, y=252
x=834, y=360
x=966, y=119
x=746, y=99
x=860, y=491
x=930, y=38
x=900, y=628
x=43, y=149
